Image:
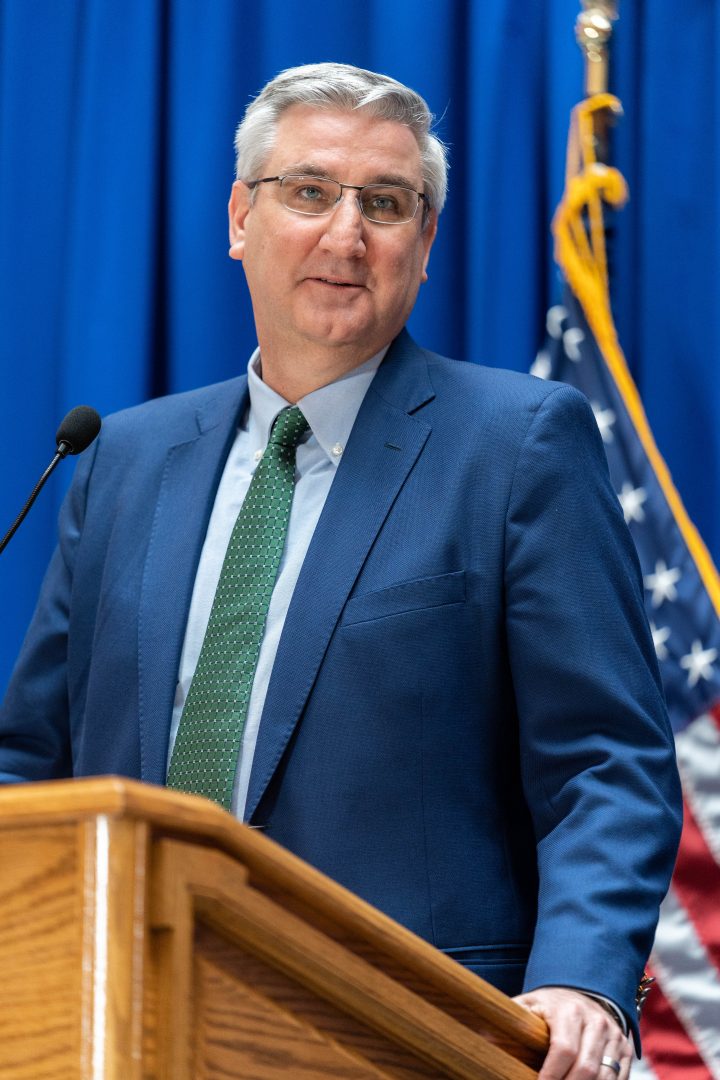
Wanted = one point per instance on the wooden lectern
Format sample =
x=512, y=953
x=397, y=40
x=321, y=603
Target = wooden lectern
x=147, y=934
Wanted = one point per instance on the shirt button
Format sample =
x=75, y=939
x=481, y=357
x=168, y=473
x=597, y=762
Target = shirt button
x=258, y=454
x=336, y=450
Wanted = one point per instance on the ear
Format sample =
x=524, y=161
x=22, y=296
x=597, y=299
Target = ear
x=428, y=236
x=237, y=212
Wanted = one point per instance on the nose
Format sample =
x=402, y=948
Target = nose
x=343, y=234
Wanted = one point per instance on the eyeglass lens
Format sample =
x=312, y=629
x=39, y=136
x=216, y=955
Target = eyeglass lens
x=384, y=203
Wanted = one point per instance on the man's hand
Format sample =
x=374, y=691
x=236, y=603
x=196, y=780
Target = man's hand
x=582, y=1033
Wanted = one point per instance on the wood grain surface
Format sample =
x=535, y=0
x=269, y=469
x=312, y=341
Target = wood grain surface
x=40, y=952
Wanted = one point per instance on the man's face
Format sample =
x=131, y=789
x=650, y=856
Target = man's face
x=335, y=280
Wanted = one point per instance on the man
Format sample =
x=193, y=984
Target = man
x=452, y=705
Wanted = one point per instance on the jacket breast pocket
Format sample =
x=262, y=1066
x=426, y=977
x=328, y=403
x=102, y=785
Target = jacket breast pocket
x=427, y=592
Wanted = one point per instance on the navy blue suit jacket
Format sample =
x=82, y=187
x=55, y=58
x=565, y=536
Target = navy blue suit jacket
x=464, y=723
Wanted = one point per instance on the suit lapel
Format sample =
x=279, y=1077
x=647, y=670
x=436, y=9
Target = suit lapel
x=193, y=468
x=384, y=445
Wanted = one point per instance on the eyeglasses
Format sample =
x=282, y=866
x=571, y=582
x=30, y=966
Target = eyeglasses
x=384, y=204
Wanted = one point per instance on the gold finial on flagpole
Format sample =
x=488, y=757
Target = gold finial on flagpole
x=593, y=30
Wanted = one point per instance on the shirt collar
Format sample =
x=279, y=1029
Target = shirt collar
x=330, y=411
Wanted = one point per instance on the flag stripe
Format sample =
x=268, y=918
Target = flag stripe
x=689, y=980
x=642, y=1070
x=668, y=1050
x=698, y=755
x=697, y=886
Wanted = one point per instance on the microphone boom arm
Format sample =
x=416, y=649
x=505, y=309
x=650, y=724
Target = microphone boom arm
x=33, y=496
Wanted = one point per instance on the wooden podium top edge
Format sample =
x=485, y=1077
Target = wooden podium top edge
x=114, y=795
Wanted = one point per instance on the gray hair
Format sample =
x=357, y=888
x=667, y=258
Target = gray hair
x=339, y=86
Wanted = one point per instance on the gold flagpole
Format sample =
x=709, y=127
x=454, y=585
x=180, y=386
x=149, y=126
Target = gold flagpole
x=593, y=30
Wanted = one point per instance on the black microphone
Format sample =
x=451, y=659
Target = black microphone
x=76, y=432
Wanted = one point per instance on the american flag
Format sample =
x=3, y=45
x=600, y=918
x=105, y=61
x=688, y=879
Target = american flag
x=681, y=1019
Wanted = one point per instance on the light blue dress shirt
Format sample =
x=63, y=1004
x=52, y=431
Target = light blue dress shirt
x=330, y=412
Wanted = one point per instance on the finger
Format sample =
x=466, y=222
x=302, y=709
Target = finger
x=628, y=1062
x=565, y=1036
x=616, y=1059
x=560, y=1058
x=598, y=1040
x=625, y=1057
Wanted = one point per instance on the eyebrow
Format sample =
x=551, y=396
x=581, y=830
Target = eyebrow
x=305, y=168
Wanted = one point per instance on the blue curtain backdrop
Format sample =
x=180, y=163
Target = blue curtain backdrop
x=116, y=124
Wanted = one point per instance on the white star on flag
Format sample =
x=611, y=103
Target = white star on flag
x=698, y=663
x=554, y=320
x=631, y=500
x=605, y=419
x=660, y=634
x=662, y=583
x=542, y=366
x=572, y=340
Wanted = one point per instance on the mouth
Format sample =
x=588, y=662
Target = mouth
x=337, y=283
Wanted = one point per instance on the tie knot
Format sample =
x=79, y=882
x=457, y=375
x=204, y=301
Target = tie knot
x=289, y=427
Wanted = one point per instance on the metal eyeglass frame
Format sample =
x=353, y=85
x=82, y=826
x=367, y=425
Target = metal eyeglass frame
x=252, y=184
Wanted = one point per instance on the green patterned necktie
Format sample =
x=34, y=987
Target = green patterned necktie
x=207, y=747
